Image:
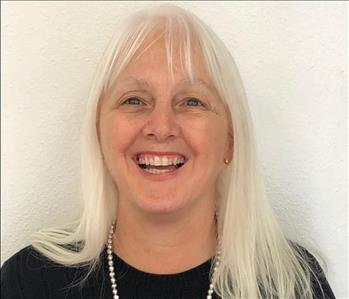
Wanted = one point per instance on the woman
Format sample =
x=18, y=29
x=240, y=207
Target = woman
x=174, y=203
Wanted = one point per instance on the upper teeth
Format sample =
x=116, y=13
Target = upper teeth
x=160, y=160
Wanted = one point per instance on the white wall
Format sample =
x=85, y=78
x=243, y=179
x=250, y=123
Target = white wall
x=292, y=57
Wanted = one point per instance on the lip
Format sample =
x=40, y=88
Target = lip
x=162, y=176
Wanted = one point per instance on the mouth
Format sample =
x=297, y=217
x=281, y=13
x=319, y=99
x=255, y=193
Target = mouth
x=160, y=163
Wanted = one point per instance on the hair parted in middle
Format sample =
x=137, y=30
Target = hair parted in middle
x=257, y=261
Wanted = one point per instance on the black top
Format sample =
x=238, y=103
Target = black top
x=30, y=275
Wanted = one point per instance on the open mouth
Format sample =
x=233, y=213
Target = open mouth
x=160, y=164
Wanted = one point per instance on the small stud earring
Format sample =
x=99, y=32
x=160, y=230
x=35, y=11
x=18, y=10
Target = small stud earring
x=226, y=161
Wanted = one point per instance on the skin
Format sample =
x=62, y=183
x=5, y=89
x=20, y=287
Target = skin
x=164, y=226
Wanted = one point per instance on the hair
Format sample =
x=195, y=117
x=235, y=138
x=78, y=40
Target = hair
x=257, y=261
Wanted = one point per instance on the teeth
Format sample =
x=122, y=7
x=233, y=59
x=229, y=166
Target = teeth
x=164, y=161
x=157, y=171
x=179, y=160
x=160, y=160
x=157, y=161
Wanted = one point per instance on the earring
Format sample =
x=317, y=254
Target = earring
x=226, y=161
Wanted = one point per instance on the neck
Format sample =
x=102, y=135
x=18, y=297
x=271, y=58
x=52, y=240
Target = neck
x=163, y=244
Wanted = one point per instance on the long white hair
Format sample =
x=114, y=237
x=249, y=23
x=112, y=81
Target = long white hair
x=257, y=261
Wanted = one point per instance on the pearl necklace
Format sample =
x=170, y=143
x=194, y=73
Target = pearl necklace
x=112, y=273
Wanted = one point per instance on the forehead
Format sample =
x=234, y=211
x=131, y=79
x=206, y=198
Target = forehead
x=144, y=83
x=157, y=59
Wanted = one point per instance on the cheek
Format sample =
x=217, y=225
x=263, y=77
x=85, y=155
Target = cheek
x=116, y=134
x=207, y=137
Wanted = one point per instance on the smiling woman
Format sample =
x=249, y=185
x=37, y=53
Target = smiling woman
x=174, y=203
x=156, y=118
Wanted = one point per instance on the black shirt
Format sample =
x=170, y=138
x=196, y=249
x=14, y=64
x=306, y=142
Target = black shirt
x=30, y=275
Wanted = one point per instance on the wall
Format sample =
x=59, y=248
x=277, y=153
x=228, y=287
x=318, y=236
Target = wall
x=292, y=58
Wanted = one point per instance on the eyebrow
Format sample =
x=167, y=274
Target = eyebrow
x=182, y=83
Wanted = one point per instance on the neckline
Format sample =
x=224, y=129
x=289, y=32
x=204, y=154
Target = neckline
x=129, y=276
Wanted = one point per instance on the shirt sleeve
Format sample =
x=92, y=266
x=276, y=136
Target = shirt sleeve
x=321, y=287
x=320, y=282
x=22, y=277
x=10, y=285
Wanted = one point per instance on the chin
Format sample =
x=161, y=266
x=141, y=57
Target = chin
x=160, y=206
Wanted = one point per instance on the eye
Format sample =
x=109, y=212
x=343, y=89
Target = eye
x=133, y=101
x=193, y=102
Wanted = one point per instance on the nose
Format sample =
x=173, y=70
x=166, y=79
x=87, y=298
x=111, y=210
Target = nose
x=161, y=125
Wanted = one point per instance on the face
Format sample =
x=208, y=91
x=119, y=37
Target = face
x=164, y=141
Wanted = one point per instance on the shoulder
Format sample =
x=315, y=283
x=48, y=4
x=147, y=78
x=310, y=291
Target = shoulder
x=317, y=276
x=310, y=259
x=29, y=274
x=22, y=257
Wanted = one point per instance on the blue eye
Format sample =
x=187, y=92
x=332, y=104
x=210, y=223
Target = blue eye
x=194, y=102
x=133, y=101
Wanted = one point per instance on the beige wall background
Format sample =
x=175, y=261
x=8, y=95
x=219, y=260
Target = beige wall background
x=293, y=60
